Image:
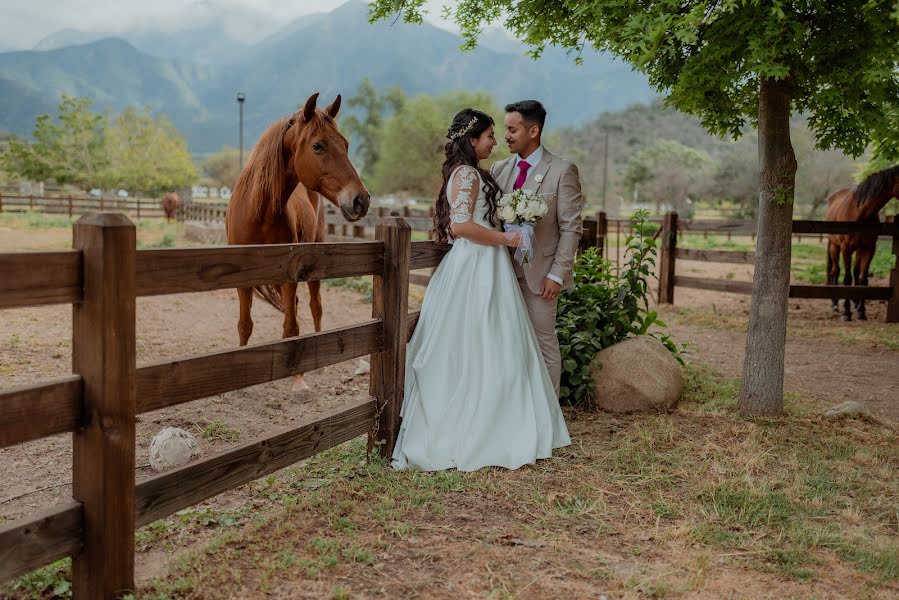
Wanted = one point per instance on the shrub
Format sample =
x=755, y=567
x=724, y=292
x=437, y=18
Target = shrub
x=605, y=306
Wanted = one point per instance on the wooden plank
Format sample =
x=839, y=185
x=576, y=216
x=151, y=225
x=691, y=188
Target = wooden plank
x=37, y=278
x=851, y=292
x=390, y=303
x=178, y=270
x=721, y=256
x=882, y=229
x=173, y=382
x=892, y=315
x=30, y=543
x=411, y=322
x=427, y=254
x=169, y=492
x=103, y=448
x=736, y=226
x=31, y=412
x=668, y=259
x=720, y=285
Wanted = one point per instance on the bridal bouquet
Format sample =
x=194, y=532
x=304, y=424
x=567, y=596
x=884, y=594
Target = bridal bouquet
x=520, y=210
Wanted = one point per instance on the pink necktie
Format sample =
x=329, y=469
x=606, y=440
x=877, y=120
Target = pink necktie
x=522, y=174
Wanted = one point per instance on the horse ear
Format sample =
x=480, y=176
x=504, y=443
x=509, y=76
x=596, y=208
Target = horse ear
x=334, y=107
x=309, y=109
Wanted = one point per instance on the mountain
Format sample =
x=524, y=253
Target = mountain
x=328, y=52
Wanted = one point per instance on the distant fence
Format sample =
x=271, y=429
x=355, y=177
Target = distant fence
x=102, y=277
x=670, y=253
x=72, y=205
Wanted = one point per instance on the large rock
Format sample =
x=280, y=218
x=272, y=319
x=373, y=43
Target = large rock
x=172, y=447
x=638, y=374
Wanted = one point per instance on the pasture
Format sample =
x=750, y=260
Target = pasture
x=699, y=502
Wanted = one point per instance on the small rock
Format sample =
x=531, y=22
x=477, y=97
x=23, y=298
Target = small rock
x=172, y=447
x=849, y=409
x=363, y=368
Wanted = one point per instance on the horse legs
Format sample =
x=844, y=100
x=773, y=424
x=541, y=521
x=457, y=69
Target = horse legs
x=315, y=303
x=291, y=325
x=833, y=272
x=245, y=323
x=847, y=280
x=863, y=265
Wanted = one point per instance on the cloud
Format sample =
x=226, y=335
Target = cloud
x=25, y=23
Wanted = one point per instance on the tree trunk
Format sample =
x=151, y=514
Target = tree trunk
x=763, y=367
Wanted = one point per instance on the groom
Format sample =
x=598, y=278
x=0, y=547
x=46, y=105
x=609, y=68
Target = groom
x=556, y=235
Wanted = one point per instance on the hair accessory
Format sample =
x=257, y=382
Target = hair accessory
x=457, y=134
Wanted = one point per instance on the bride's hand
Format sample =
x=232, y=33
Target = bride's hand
x=513, y=239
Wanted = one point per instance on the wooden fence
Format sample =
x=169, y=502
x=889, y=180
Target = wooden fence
x=670, y=253
x=78, y=205
x=102, y=277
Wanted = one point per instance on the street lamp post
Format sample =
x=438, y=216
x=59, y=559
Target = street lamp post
x=240, y=98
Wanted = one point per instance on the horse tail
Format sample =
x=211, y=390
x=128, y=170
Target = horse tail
x=270, y=294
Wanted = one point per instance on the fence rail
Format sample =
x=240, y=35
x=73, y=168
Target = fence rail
x=72, y=205
x=98, y=403
x=670, y=253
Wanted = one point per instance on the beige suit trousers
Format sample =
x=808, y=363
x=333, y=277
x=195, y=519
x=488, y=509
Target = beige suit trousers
x=543, y=318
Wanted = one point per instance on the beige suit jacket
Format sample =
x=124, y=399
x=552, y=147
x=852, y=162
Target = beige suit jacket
x=556, y=235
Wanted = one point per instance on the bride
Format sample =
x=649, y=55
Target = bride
x=477, y=392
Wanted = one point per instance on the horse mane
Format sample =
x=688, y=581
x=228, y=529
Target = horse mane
x=875, y=186
x=265, y=175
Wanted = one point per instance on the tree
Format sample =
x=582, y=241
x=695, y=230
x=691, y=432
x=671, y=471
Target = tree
x=71, y=150
x=224, y=167
x=667, y=172
x=147, y=154
x=369, y=110
x=411, y=142
x=730, y=62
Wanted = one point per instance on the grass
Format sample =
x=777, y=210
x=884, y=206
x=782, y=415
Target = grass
x=217, y=430
x=363, y=285
x=700, y=501
x=652, y=505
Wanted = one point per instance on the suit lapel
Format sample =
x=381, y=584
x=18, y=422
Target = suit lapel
x=508, y=168
x=539, y=173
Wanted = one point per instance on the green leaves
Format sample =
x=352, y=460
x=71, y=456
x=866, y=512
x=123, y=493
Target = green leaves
x=605, y=307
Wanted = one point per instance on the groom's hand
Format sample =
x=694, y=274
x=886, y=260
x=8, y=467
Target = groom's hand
x=550, y=289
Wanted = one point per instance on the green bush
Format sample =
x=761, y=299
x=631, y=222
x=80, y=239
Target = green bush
x=604, y=307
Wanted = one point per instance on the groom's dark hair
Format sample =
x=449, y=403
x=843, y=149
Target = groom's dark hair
x=532, y=111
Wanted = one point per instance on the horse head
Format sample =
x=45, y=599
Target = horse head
x=318, y=155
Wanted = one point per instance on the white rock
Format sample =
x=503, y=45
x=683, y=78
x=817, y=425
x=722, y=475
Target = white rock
x=172, y=447
x=848, y=409
x=363, y=368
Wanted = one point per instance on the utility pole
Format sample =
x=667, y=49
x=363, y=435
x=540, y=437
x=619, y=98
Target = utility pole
x=240, y=98
x=605, y=169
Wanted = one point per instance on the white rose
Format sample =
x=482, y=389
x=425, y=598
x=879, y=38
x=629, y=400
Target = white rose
x=507, y=214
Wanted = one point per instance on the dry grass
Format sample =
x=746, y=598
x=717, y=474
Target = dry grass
x=868, y=334
x=697, y=502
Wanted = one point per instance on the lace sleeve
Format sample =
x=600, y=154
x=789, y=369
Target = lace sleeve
x=465, y=186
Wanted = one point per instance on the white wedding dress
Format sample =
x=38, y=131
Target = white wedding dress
x=477, y=392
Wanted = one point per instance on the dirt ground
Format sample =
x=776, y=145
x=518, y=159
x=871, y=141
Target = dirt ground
x=846, y=362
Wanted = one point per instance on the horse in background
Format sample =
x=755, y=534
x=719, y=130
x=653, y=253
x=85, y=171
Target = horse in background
x=860, y=204
x=169, y=206
x=299, y=162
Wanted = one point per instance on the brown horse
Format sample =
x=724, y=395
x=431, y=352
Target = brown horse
x=169, y=205
x=278, y=200
x=860, y=204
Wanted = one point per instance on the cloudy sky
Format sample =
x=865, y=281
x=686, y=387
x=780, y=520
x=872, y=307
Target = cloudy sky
x=26, y=22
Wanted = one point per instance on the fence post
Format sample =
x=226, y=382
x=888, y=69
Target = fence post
x=390, y=303
x=30, y=202
x=103, y=353
x=667, y=258
x=893, y=302
x=588, y=235
x=1, y=203
x=138, y=208
x=70, y=206
x=358, y=231
x=602, y=230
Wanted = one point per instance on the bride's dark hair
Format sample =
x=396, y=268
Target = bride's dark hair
x=459, y=151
